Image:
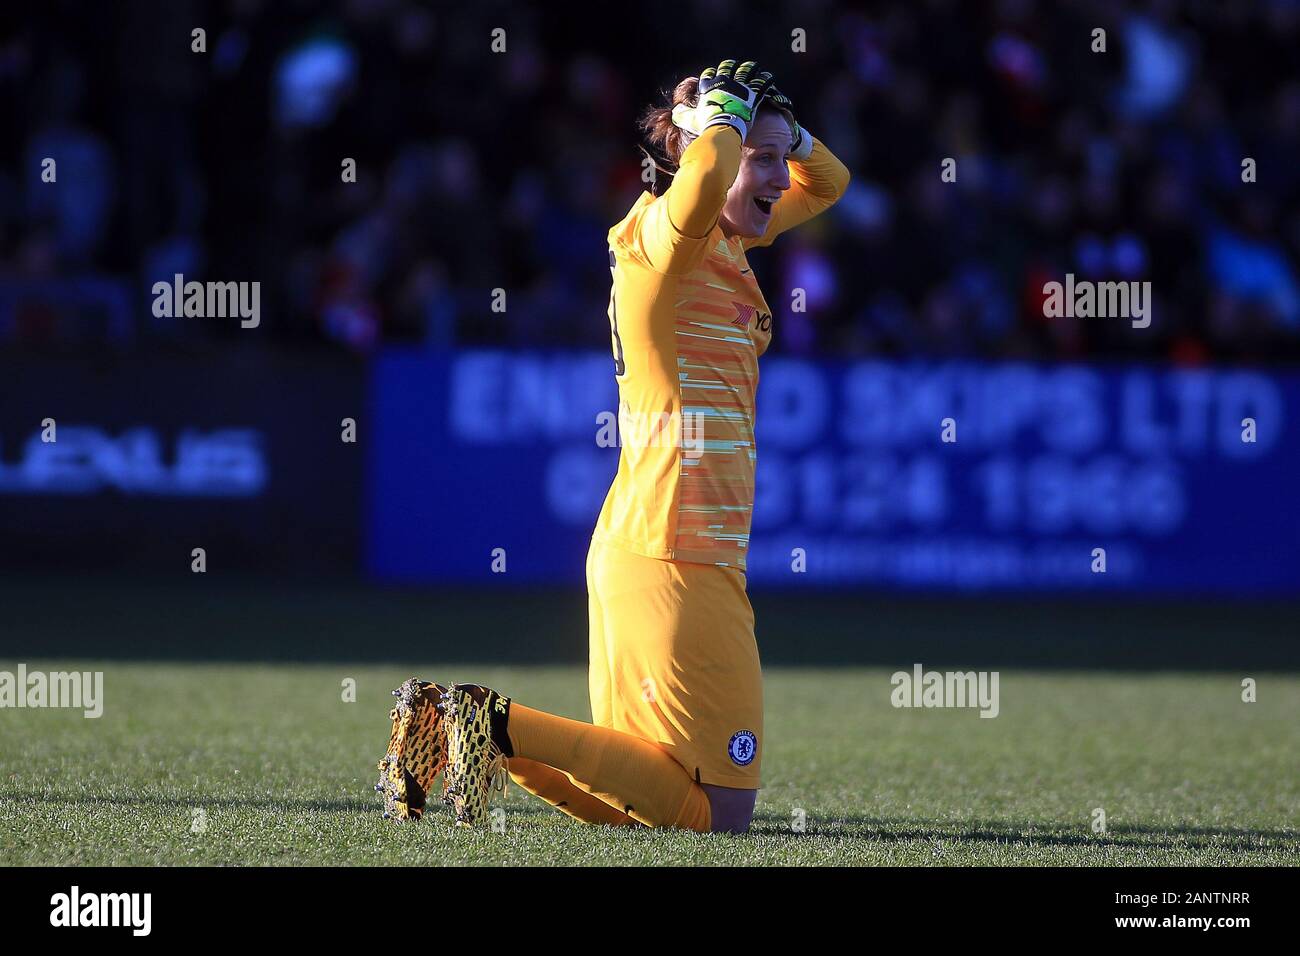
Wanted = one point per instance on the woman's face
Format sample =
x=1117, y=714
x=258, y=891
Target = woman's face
x=763, y=177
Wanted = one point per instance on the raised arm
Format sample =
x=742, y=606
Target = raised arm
x=672, y=233
x=673, y=230
x=698, y=191
x=816, y=183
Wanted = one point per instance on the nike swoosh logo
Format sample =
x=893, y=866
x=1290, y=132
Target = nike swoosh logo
x=745, y=272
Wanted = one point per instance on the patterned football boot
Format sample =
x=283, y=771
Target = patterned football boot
x=417, y=749
x=477, y=748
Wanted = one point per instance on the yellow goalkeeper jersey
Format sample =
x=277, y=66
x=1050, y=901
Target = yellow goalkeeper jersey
x=688, y=324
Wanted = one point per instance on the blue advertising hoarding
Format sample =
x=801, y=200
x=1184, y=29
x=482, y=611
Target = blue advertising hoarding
x=131, y=461
x=947, y=476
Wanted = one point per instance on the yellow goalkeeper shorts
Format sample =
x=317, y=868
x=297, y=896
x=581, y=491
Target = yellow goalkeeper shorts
x=674, y=661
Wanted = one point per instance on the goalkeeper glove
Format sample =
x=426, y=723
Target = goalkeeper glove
x=801, y=145
x=728, y=96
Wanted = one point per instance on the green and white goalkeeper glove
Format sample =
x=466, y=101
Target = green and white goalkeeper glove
x=728, y=96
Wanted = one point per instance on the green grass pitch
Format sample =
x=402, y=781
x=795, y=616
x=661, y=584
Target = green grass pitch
x=282, y=770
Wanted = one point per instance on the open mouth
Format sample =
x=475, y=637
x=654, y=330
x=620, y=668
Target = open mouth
x=765, y=204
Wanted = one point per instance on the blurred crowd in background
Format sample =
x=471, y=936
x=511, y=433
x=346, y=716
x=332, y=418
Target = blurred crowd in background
x=479, y=170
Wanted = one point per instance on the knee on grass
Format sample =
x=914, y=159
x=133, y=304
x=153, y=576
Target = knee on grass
x=732, y=810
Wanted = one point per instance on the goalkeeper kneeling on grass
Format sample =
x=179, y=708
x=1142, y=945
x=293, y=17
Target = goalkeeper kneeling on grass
x=676, y=738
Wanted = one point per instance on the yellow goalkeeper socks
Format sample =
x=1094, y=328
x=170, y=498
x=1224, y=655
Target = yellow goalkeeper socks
x=555, y=787
x=627, y=773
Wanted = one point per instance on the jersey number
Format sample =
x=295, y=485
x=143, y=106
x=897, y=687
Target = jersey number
x=619, y=366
